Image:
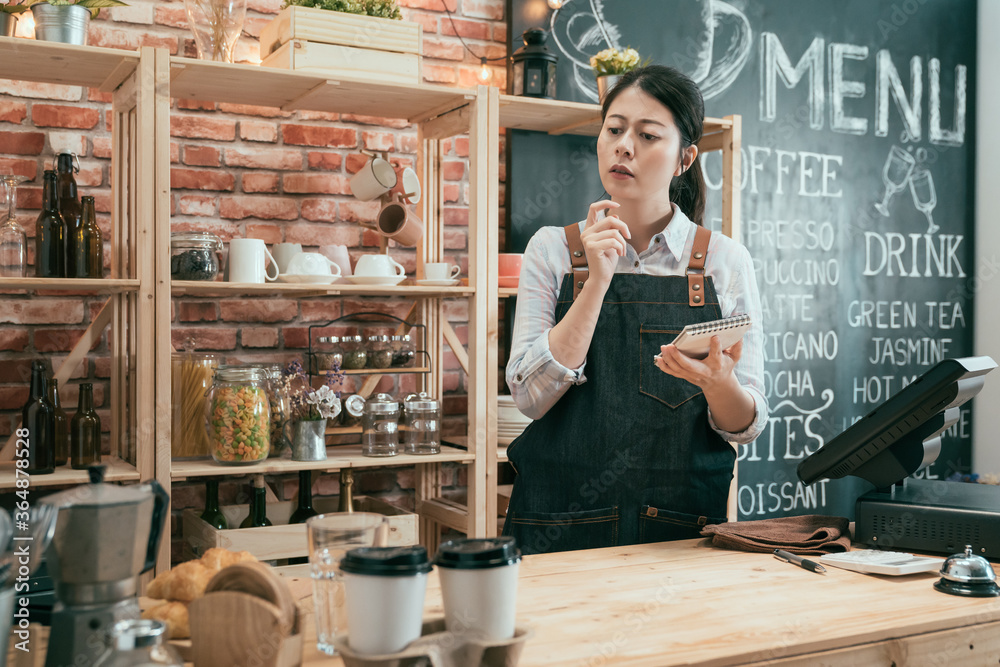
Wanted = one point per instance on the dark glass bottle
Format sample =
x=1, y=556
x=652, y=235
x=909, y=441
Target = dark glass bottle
x=85, y=431
x=39, y=418
x=346, y=501
x=50, y=234
x=304, y=510
x=61, y=432
x=212, y=515
x=88, y=247
x=69, y=206
x=258, y=506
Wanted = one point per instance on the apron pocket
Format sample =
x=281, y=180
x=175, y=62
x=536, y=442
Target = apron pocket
x=653, y=382
x=660, y=525
x=544, y=532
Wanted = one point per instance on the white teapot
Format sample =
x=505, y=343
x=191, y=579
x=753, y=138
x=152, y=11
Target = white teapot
x=312, y=264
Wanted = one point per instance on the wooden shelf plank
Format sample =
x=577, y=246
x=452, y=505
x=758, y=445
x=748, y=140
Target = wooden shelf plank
x=73, y=286
x=560, y=117
x=337, y=458
x=116, y=471
x=508, y=292
x=288, y=90
x=66, y=64
x=395, y=370
x=445, y=512
x=223, y=289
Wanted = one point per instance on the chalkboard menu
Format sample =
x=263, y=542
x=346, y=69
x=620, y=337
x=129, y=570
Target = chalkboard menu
x=857, y=196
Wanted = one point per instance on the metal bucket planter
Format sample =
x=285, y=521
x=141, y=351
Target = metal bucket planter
x=61, y=23
x=309, y=440
x=7, y=24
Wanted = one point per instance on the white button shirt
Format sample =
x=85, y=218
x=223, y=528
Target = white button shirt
x=537, y=380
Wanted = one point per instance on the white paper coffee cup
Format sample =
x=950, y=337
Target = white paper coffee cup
x=384, y=589
x=479, y=586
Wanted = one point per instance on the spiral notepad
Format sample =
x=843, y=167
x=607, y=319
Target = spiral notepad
x=696, y=339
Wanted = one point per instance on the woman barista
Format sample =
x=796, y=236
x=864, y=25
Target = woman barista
x=631, y=438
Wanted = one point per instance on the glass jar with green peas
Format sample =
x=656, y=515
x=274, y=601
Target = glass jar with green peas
x=239, y=417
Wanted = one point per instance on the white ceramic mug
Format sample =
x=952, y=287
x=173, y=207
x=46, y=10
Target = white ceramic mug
x=374, y=180
x=312, y=264
x=441, y=271
x=378, y=265
x=283, y=252
x=248, y=261
x=407, y=185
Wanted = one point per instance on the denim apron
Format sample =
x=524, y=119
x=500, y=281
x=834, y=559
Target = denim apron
x=627, y=457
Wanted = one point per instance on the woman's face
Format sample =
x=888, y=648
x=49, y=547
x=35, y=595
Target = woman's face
x=639, y=149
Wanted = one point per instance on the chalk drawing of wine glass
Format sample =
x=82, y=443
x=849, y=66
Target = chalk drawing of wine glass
x=924, y=195
x=895, y=173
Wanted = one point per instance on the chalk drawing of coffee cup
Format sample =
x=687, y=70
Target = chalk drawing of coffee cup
x=686, y=34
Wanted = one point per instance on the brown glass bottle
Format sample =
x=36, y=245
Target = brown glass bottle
x=50, y=233
x=39, y=418
x=85, y=431
x=69, y=206
x=61, y=432
x=88, y=248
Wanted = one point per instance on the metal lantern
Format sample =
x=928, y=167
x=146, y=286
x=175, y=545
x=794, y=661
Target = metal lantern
x=534, y=67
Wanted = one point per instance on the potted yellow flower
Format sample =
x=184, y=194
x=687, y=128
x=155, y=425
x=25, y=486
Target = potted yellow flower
x=610, y=64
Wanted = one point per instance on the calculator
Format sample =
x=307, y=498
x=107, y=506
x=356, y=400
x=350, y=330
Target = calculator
x=875, y=561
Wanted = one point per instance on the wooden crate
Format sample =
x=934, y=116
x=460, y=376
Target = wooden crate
x=321, y=41
x=283, y=540
x=346, y=62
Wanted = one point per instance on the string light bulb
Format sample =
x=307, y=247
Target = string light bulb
x=555, y=4
x=484, y=71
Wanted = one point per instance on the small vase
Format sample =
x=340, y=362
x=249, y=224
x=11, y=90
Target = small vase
x=216, y=25
x=61, y=23
x=309, y=440
x=606, y=83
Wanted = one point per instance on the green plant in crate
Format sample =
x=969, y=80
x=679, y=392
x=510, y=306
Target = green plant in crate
x=386, y=9
x=94, y=6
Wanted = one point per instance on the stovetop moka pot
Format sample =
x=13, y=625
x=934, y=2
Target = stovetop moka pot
x=106, y=536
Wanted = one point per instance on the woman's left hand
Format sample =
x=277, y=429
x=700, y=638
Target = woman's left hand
x=714, y=370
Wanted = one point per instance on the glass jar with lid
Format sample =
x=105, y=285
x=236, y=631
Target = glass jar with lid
x=329, y=355
x=379, y=352
x=194, y=256
x=421, y=424
x=353, y=410
x=279, y=402
x=403, y=351
x=191, y=376
x=380, y=426
x=138, y=643
x=239, y=416
x=355, y=353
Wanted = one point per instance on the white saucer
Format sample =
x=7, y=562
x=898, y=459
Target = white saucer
x=438, y=283
x=307, y=279
x=376, y=280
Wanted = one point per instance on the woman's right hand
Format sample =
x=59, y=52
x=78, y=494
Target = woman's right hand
x=604, y=241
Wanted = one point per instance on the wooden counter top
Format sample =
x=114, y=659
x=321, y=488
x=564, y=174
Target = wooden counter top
x=686, y=603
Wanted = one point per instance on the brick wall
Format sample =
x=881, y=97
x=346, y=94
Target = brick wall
x=238, y=171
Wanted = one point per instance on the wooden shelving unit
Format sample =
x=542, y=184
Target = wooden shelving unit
x=222, y=290
x=128, y=77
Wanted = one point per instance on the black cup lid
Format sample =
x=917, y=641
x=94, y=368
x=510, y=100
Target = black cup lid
x=474, y=554
x=386, y=561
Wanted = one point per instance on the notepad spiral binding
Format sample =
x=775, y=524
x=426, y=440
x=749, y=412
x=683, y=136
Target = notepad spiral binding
x=719, y=325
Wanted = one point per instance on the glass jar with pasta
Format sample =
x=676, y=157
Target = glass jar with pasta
x=239, y=417
x=190, y=377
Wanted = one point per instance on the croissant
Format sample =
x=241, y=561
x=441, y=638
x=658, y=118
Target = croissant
x=184, y=582
x=217, y=558
x=175, y=615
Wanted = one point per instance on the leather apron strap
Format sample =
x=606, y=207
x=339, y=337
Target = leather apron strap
x=696, y=267
x=577, y=256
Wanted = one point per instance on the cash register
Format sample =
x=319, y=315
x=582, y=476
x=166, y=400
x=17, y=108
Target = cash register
x=895, y=440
